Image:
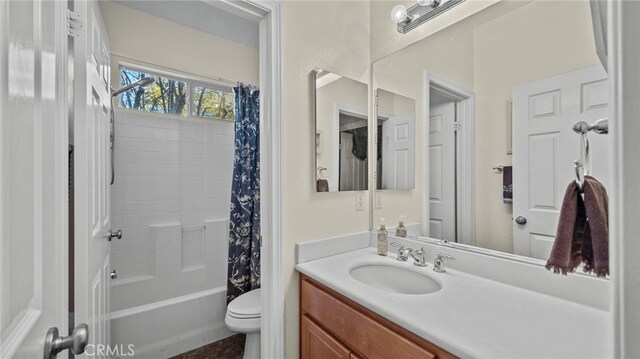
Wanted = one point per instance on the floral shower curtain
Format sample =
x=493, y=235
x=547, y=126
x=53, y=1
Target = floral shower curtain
x=244, y=221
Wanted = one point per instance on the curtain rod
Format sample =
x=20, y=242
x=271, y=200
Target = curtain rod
x=179, y=72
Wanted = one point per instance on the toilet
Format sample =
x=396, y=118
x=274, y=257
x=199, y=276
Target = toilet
x=243, y=316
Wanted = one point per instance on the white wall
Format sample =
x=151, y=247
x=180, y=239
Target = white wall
x=334, y=38
x=136, y=35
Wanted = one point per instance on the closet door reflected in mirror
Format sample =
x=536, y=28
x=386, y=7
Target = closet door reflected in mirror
x=342, y=133
x=497, y=97
x=396, y=141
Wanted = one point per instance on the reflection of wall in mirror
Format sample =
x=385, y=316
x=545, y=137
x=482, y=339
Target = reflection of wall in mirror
x=529, y=50
x=402, y=73
x=488, y=54
x=342, y=93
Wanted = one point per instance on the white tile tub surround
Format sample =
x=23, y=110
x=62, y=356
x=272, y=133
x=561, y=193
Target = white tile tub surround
x=171, y=200
x=582, y=289
x=168, y=171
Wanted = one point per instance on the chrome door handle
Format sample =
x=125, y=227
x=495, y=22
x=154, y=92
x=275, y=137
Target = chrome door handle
x=111, y=234
x=521, y=220
x=77, y=341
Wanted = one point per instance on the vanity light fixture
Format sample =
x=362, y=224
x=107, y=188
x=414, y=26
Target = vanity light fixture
x=425, y=10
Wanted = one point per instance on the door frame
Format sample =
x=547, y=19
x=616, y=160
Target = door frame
x=624, y=126
x=349, y=110
x=269, y=15
x=465, y=153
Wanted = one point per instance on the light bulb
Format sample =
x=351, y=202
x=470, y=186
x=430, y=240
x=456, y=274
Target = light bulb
x=399, y=14
x=432, y=3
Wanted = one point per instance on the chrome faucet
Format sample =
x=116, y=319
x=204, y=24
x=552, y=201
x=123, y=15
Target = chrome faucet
x=403, y=253
x=419, y=257
x=438, y=263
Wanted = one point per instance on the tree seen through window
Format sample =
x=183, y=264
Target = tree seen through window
x=171, y=96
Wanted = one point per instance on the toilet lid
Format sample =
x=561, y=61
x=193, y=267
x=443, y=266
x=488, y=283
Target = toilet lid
x=246, y=306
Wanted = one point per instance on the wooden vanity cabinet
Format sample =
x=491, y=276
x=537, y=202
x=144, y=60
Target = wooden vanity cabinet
x=333, y=326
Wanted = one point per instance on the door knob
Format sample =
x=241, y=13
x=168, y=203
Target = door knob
x=111, y=234
x=113, y=274
x=521, y=220
x=77, y=341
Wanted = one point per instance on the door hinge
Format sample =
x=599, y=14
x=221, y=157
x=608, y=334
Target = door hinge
x=457, y=126
x=75, y=27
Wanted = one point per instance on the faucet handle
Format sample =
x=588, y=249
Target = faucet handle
x=438, y=263
x=419, y=257
x=401, y=255
x=445, y=256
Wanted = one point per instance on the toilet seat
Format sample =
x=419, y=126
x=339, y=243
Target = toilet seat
x=243, y=316
x=246, y=306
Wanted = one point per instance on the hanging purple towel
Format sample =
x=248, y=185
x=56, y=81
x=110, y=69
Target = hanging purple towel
x=507, y=184
x=583, y=231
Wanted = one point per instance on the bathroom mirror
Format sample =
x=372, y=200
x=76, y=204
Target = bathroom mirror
x=342, y=133
x=396, y=141
x=497, y=95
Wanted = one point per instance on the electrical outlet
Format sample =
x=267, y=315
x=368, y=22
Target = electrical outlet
x=378, y=200
x=359, y=201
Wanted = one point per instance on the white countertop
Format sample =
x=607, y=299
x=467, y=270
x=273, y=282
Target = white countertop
x=473, y=316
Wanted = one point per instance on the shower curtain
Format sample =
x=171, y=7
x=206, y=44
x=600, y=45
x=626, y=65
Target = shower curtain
x=244, y=221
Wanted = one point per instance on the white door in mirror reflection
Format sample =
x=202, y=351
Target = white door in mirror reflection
x=545, y=147
x=353, y=170
x=399, y=152
x=442, y=197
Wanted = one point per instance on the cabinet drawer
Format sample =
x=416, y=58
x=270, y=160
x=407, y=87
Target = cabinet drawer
x=359, y=330
x=318, y=344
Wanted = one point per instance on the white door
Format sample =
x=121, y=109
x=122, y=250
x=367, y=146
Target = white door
x=92, y=173
x=399, y=152
x=33, y=175
x=353, y=171
x=442, y=172
x=545, y=147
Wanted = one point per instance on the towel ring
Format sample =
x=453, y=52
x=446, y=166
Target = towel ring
x=579, y=174
x=321, y=173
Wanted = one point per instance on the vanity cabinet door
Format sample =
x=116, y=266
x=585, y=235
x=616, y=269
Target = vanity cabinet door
x=318, y=344
x=363, y=331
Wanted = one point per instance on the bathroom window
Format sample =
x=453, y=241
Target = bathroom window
x=166, y=95
x=212, y=102
x=176, y=95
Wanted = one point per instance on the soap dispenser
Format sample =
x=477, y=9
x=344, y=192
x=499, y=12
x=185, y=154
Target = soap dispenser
x=383, y=239
x=401, y=230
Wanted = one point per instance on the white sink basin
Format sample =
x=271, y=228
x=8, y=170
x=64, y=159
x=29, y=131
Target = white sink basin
x=395, y=279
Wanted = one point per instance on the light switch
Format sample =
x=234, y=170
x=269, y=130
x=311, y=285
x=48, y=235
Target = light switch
x=359, y=201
